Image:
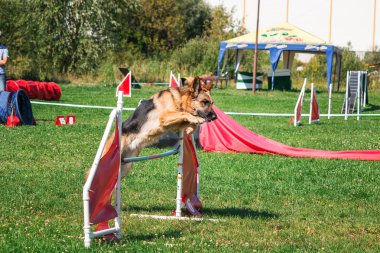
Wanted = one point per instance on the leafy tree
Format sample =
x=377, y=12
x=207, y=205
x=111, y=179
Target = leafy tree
x=315, y=70
x=48, y=38
x=197, y=14
x=350, y=61
x=221, y=26
x=68, y=35
x=372, y=57
x=161, y=26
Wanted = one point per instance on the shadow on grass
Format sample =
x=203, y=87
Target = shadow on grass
x=371, y=107
x=133, y=208
x=151, y=236
x=240, y=212
x=128, y=238
x=222, y=212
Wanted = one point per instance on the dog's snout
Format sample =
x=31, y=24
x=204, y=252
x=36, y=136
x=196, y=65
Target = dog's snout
x=212, y=116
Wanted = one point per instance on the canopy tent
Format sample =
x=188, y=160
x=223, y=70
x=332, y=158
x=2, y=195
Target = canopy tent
x=282, y=39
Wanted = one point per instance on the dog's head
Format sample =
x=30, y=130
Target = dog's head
x=202, y=101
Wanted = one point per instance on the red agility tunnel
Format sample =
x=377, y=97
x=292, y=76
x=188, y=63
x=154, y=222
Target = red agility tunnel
x=33, y=90
x=12, y=86
x=36, y=89
x=226, y=135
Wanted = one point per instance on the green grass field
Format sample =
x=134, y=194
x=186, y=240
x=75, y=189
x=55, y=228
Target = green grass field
x=264, y=203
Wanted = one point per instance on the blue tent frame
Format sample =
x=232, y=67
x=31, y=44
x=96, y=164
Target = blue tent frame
x=276, y=50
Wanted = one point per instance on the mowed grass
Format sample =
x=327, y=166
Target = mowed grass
x=264, y=203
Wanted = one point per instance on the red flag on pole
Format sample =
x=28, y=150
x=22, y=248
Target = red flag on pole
x=104, y=183
x=314, y=107
x=125, y=86
x=173, y=81
x=190, y=177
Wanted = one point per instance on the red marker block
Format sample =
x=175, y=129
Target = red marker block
x=60, y=120
x=70, y=120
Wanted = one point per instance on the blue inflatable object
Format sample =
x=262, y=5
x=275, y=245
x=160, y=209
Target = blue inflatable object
x=20, y=103
x=5, y=98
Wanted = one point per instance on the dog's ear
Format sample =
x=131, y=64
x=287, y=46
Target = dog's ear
x=206, y=84
x=197, y=86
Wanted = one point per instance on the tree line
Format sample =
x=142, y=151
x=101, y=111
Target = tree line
x=47, y=38
x=50, y=39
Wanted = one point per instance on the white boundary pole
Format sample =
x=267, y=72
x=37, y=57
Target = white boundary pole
x=330, y=101
x=346, y=99
x=179, y=177
x=365, y=89
x=228, y=113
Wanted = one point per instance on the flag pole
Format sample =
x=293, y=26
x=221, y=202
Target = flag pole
x=243, y=19
x=256, y=46
x=287, y=11
x=374, y=26
x=330, y=22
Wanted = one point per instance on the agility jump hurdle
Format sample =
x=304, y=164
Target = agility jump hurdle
x=314, y=115
x=97, y=191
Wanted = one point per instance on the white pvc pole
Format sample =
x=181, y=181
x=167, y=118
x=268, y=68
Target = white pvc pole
x=330, y=102
x=300, y=99
x=118, y=184
x=365, y=89
x=347, y=89
x=359, y=95
x=179, y=177
x=170, y=78
x=198, y=169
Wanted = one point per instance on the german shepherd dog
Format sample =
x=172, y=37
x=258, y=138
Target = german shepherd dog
x=173, y=109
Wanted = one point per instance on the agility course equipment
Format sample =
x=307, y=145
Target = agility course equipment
x=244, y=81
x=298, y=107
x=97, y=192
x=16, y=104
x=314, y=116
x=314, y=107
x=125, y=85
x=356, y=93
x=36, y=89
x=173, y=81
x=188, y=190
x=226, y=135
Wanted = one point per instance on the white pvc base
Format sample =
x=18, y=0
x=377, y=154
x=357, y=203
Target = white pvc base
x=162, y=217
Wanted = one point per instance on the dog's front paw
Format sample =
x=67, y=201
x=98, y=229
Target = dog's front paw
x=189, y=130
x=200, y=120
x=196, y=120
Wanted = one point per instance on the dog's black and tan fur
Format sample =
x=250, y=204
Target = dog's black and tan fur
x=173, y=109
